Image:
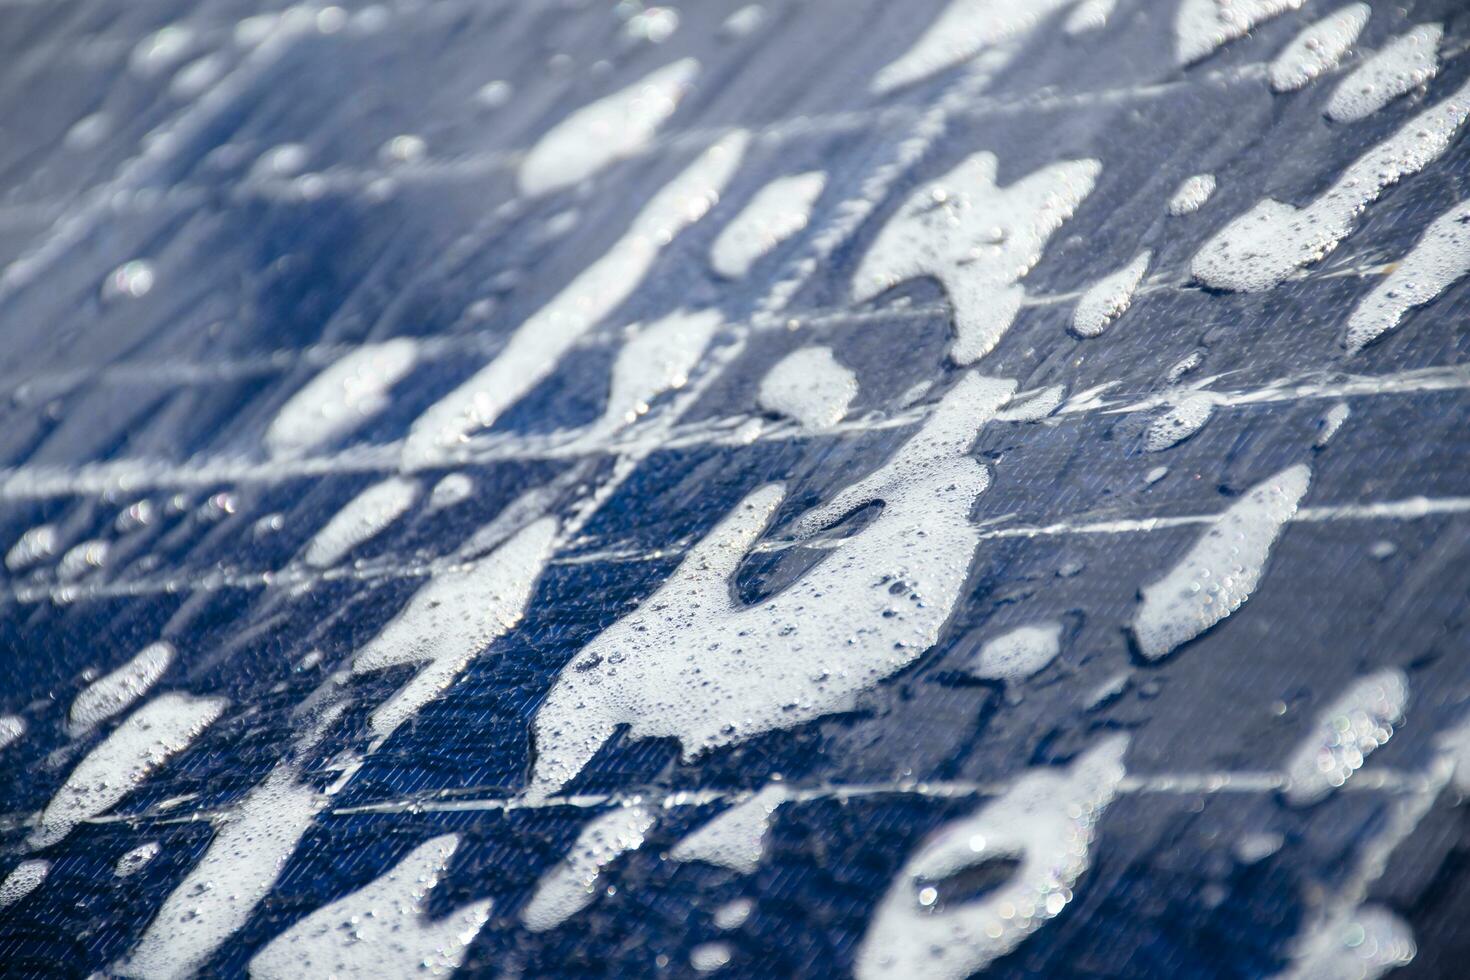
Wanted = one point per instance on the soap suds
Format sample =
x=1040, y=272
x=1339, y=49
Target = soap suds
x=1017, y=655
x=744, y=22
x=1439, y=260
x=571, y=885
x=736, y=839
x=1221, y=570
x=959, y=33
x=31, y=548
x=116, y=692
x=732, y=914
x=1255, y=848
x=1043, y=827
x=384, y=929
x=1108, y=691
x=1033, y=405
x=1186, y=416
x=778, y=211
x=136, y=860
x=363, y=518
x=1089, y=15
x=537, y=345
x=1453, y=743
x=12, y=727
x=1318, y=48
x=810, y=386
x=1366, y=943
x=693, y=664
x=1109, y=297
x=25, y=878
x=451, y=619
x=339, y=399
x=1345, y=734
x=1202, y=26
x=1331, y=422
x=1268, y=243
x=610, y=129
x=249, y=851
x=148, y=739
x=83, y=559
x=709, y=957
x=658, y=359
x=1192, y=194
x=452, y=490
x=1405, y=63
x=978, y=239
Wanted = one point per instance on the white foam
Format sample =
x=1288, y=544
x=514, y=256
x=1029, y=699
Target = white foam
x=249, y=851
x=1192, y=194
x=136, y=860
x=1454, y=744
x=1256, y=847
x=978, y=239
x=383, y=929
x=1045, y=822
x=12, y=727
x=656, y=360
x=1364, y=944
x=116, y=692
x=709, y=957
x=809, y=385
x=744, y=22
x=1186, y=416
x=82, y=559
x=1109, y=297
x=361, y=519
x=963, y=30
x=1318, y=48
x=162, y=50
x=1219, y=573
x=23, y=879
x=693, y=664
x=1346, y=732
x=610, y=129
x=282, y=160
x=450, y=491
x=1332, y=421
x=538, y=344
x=1439, y=259
x=1260, y=248
x=571, y=885
x=1202, y=26
x=341, y=397
x=1108, y=691
x=455, y=616
x=1405, y=63
x=198, y=75
x=732, y=914
x=1089, y=15
x=1033, y=405
x=32, y=548
x=778, y=211
x=149, y=737
x=1017, y=655
x=736, y=839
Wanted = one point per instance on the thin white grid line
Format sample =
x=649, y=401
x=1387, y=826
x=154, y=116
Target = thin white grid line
x=1397, y=782
x=121, y=477
x=343, y=179
x=433, y=348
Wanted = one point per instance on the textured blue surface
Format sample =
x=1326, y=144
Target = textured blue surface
x=259, y=285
